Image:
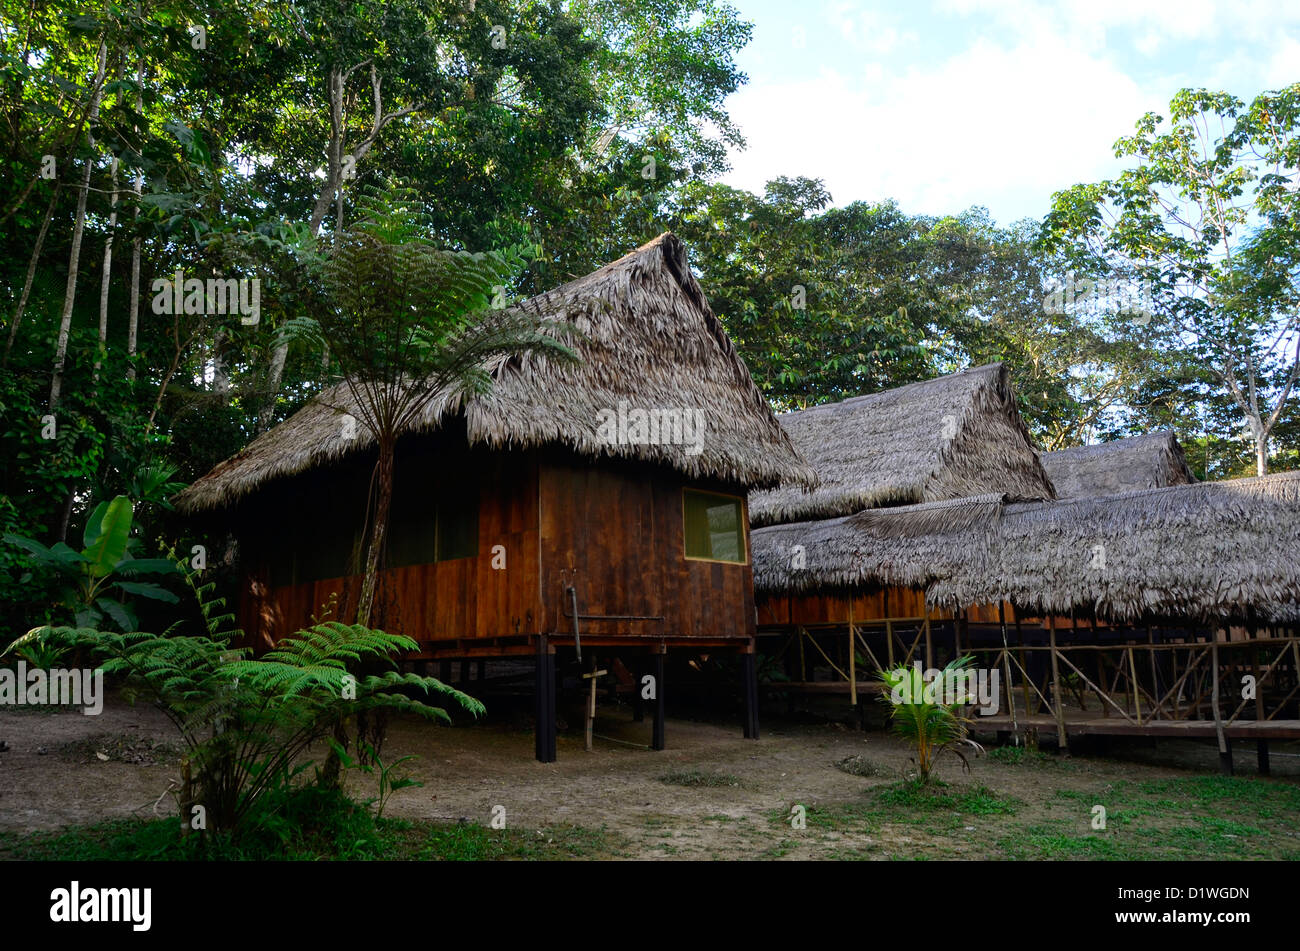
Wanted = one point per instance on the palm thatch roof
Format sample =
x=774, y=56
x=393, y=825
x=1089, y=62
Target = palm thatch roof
x=1209, y=550
x=1140, y=462
x=955, y=436
x=649, y=342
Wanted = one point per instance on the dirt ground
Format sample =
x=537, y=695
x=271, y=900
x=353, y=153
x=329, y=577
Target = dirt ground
x=711, y=794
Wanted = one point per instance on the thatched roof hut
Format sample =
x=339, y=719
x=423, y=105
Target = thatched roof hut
x=651, y=343
x=1207, y=550
x=1149, y=461
x=952, y=437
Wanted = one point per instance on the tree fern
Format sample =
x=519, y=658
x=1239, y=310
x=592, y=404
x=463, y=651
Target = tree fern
x=246, y=721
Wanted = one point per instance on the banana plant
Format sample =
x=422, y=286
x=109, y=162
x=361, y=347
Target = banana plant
x=97, y=581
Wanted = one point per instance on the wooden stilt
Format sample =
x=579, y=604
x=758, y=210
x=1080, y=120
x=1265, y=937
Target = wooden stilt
x=592, y=676
x=889, y=631
x=1155, y=676
x=1261, y=746
x=657, y=734
x=1056, y=685
x=1133, y=676
x=1024, y=668
x=1101, y=671
x=853, y=657
x=929, y=646
x=544, y=732
x=638, y=704
x=749, y=674
x=1006, y=667
x=1225, y=751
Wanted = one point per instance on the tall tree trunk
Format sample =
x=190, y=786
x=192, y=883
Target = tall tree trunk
x=106, y=276
x=78, y=229
x=1261, y=454
x=31, y=272
x=133, y=315
x=220, y=367
x=378, y=529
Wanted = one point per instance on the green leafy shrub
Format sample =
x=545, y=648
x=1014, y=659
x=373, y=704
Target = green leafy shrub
x=246, y=722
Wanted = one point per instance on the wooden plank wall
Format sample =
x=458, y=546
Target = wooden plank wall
x=616, y=532
x=461, y=598
x=834, y=608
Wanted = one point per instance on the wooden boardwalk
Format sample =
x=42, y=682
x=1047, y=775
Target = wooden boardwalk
x=1084, y=724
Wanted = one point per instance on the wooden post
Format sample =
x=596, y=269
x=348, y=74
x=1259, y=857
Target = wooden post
x=803, y=668
x=853, y=667
x=889, y=631
x=1133, y=675
x=749, y=673
x=1101, y=669
x=1006, y=666
x=1261, y=746
x=1155, y=675
x=593, y=675
x=638, y=705
x=657, y=735
x=1024, y=663
x=1225, y=751
x=1056, y=685
x=544, y=732
x=929, y=647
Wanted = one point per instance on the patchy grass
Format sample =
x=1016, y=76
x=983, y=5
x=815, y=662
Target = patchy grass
x=1186, y=818
x=937, y=796
x=336, y=829
x=392, y=840
x=1024, y=756
x=699, y=778
x=862, y=766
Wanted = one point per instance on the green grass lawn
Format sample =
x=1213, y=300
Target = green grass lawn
x=1197, y=817
x=1182, y=818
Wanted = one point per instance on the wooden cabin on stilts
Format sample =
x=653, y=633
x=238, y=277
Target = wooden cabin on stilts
x=1160, y=607
x=594, y=510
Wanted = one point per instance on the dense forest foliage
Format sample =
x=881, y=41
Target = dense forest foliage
x=148, y=144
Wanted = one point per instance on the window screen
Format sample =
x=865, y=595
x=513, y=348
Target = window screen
x=715, y=526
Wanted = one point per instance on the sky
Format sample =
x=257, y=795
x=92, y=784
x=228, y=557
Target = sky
x=946, y=104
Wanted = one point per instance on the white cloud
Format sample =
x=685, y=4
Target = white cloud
x=1031, y=101
x=868, y=30
x=998, y=125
